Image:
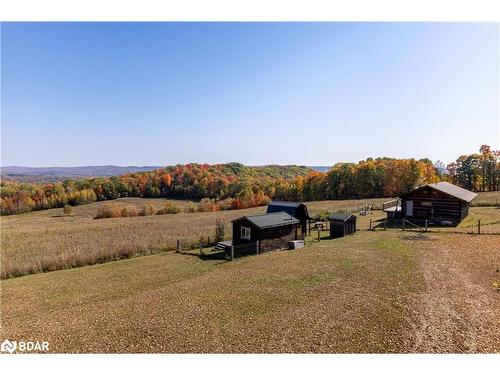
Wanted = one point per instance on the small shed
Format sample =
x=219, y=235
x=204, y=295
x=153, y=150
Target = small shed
x=438, y=203
x=297, y=209
x=342, y=224
x=273, y=231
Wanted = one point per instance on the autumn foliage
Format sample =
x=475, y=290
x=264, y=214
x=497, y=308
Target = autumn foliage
x=234, y=186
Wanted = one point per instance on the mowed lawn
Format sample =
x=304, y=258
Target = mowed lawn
x=47, y=240
x=383, y=291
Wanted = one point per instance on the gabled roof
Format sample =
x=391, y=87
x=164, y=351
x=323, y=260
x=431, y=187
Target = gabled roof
x=285, y=204
x=277, y=219
x=453, y=190
x=341, y=216
x=288, y=207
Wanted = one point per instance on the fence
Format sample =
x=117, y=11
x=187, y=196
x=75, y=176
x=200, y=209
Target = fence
x=478, y=227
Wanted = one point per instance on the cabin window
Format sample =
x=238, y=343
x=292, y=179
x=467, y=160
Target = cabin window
x=427, y=204
x=245, y=233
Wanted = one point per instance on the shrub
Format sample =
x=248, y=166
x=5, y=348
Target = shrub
x=322, y=216
x=147, y=210
x=208, y=205
x=129, y=211
x=108, y=211
x=192, y=208
x=169, y=208
x=68, y=210
x=220, y=230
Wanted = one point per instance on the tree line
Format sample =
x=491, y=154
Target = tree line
x=233, y=185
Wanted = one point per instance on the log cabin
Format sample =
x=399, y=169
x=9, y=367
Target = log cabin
x=439, y=203
x=273, y=231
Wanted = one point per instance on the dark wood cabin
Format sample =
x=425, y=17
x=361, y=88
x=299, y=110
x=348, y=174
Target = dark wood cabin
x=438, y=203
x=273, y=231
x=342, y=224
x=297, y=209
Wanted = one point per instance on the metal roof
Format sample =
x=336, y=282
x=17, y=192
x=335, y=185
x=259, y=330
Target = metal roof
x=285, y=204
x=453, y=190
x=288, y=207
x=341, y=216
x=276, y=219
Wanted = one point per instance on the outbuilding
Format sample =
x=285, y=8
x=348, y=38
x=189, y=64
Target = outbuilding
x=269, y=232
x=342, y=224
x=438, y=203
x=296, y=209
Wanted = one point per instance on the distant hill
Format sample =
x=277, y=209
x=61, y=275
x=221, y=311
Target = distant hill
x=86, y=171
x=60, y=173
x=320, y=168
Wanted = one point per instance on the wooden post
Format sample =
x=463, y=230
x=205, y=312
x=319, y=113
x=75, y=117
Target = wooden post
x=309, y=224
x=258, y=245
x=426, y=225
x=201, y=248
x=370, y=224
x=403, y=224
x=318, y=234
x=232, y=252
x=479, y=226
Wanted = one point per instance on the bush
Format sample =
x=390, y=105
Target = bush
x=169, y=208
x=192, y=208
x=68, y=210
x=220, y=230
x=108, y=211
x=116, y=210
x=322, y=216
x=147, y=210
x=208, y=205
x=129, y=211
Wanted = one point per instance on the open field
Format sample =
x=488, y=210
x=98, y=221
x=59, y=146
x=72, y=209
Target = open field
x=488, y=198
x=384, y=291
x=47, y=240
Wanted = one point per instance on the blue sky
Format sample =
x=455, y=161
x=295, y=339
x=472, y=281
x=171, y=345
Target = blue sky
x=257, y=93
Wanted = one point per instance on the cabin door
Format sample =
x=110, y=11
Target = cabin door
x=409, y=208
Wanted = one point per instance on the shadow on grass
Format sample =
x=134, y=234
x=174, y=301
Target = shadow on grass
x=207, y=254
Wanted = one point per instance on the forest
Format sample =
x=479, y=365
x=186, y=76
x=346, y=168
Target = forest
x=233, y=185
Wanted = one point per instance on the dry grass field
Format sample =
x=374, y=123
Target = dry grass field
x=383, y=291
x=47, y=240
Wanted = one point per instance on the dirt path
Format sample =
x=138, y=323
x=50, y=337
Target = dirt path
x=459, y=311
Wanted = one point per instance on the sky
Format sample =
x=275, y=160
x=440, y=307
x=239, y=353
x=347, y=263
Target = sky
x=77, y=94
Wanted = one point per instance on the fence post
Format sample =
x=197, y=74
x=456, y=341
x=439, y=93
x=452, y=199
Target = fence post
x=403, y=224
x=258, y=246
x=232, y=252
x=426, y=225
x=479, y=226
x=318, y=235
x=178, y=248
x=370, y=224
x=201, y=248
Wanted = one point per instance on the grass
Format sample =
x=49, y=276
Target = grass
x=48, y=240
x=335, y=296
x=488, y=198
x=383, y=291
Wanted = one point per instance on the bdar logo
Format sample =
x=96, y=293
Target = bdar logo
x=8, y=346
